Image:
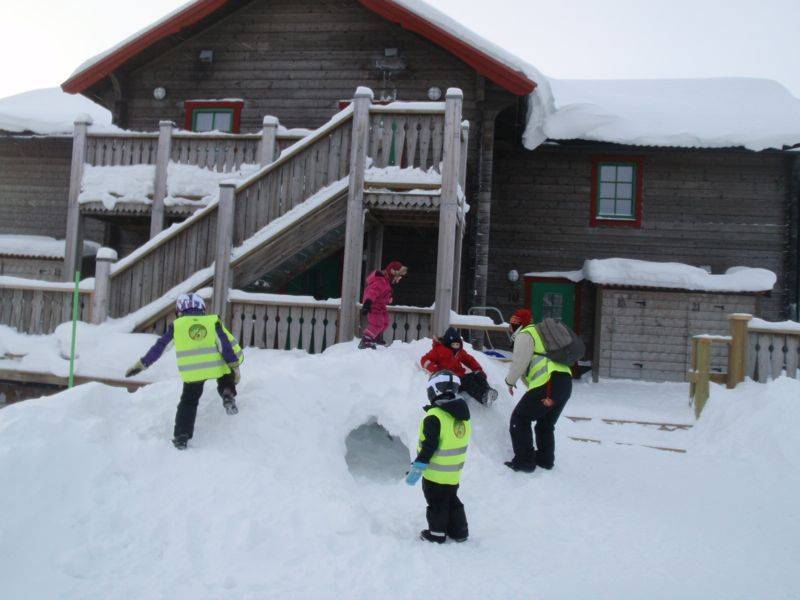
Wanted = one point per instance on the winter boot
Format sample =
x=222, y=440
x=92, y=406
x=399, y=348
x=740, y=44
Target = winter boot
x=180, y=441
x=520, y=468
x=380, y=341
x=366, y=343
x=489, y=397
x=229, y=403
x=429, y=536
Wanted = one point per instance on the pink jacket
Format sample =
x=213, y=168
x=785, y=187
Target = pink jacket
x=378, y=289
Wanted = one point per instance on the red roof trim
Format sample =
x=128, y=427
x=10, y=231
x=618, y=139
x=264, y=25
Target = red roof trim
x=491, y=68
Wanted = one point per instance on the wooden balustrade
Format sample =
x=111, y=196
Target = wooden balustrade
x=115, y=150
x=772, y=352
x=406, y=139
x=39, y=307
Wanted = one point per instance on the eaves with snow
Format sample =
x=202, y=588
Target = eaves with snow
x=48, y=111
x=756, y=114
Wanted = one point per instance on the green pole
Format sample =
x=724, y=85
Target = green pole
x=75, y=297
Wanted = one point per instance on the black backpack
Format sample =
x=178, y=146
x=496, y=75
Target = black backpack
x=562, y=345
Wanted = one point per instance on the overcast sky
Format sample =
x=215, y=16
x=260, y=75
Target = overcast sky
x=42, y=41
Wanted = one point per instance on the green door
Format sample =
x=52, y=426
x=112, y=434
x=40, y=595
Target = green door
x=553, y=300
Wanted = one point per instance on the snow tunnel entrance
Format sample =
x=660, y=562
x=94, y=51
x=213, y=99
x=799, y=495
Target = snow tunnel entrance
x=375, y=454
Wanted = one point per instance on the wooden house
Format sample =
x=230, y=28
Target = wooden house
x=545, y=191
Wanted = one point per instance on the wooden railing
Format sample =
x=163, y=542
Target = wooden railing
x=38, y=307
x=186, y=248
x=406, y=137
x=758, y=350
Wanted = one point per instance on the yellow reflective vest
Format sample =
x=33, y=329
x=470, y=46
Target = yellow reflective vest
x=541, y=368
x=448, y=460
x=199, y=357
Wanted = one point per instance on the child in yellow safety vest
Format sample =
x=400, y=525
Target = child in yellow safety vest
x=205, y=350
x=444, y=435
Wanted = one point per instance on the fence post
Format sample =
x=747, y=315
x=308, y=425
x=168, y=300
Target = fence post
x=737, y=355
x=448, y=210
x=102, y=284
x=73, y=251
x=222, y=260
x=374, y=248
x=703, y=373
x=267, y=148
x=160, y=182
x=354, y=236
x=462, y=182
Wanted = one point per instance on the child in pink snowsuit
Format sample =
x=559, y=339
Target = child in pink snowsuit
x=377, y=295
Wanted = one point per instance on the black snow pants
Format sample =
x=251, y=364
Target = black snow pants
x=187, y=407
x=445, y=511
x=475, y=385
x=531, y=408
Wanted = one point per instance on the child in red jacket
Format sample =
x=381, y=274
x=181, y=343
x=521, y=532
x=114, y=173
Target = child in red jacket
x=448, y=354
x=377, y=296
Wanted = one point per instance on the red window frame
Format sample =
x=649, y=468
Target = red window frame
x=236, y=106
x=636, y=222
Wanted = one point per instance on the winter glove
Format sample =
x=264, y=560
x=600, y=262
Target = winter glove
x=135, y=369
x=367, y=306
x=235, y=372
x=412, y=477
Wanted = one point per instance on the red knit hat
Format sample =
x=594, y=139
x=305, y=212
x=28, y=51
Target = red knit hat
x=395, y=269
x=523, y=315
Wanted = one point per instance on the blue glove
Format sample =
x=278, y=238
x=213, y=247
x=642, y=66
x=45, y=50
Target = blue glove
x=415, y=473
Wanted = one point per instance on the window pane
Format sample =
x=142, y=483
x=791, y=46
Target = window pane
x=606, y=190
x=606, y=207
x=625, y=174
x=204, y=121
x=624, y=208
x=552, y=306
x=608, y=173
x=625, y=190
x=223, y=121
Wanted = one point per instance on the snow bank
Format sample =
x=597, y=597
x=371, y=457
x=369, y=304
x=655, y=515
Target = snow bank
x=48, y=111
x=39, y=246
x=97, y=503
x=640, y=273
x=693, y=113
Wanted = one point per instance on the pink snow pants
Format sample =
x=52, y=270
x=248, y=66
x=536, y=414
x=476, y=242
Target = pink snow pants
x=378, y=321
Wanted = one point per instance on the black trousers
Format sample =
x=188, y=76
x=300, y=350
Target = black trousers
x=187, y=407
x=445, y=511
x=532, y=409
x=475, y=385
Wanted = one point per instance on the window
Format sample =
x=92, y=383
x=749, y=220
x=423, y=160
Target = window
x=616, y=192
x=213, y=115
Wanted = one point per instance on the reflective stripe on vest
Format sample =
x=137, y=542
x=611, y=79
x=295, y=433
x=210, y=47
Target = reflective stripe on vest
x=541, y=368
x=448, y=460
x=196, y=349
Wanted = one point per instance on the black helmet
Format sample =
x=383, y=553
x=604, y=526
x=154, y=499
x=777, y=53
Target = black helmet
x=451, y=336
x=443, y=384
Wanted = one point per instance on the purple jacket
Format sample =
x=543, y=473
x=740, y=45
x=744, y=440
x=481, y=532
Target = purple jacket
x=379, y=290
x=155, y=352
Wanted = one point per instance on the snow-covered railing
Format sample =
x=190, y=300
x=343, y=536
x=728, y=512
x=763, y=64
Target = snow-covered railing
x=407, y=134
x=773, y=349
x=38, y=307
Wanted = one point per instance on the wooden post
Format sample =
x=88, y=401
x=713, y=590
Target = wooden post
x=267, y=148
x=222, y=259
x=737, y=352
x=102, y=284
x=374, y=248
x=462, y=216
x=354, y=236
x=702, y=388
x=73, y=251
x=160, y=183
x=448, y=211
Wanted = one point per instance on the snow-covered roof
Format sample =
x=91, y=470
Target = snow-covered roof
x=670, y=275
x=691, y=113
x=39, y=246
x=48, y=111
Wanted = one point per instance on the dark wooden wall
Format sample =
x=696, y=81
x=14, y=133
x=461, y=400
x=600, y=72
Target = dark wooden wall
x=721, y=208
x=34, y=183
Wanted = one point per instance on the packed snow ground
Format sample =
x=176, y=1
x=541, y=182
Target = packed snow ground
x=282, y=501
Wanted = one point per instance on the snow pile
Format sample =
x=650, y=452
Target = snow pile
x=186, y=184
x=301, y=494
x=48, y=111
x=694, y=113
x=39, y=246
x=640, y=273
x=757, y=323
